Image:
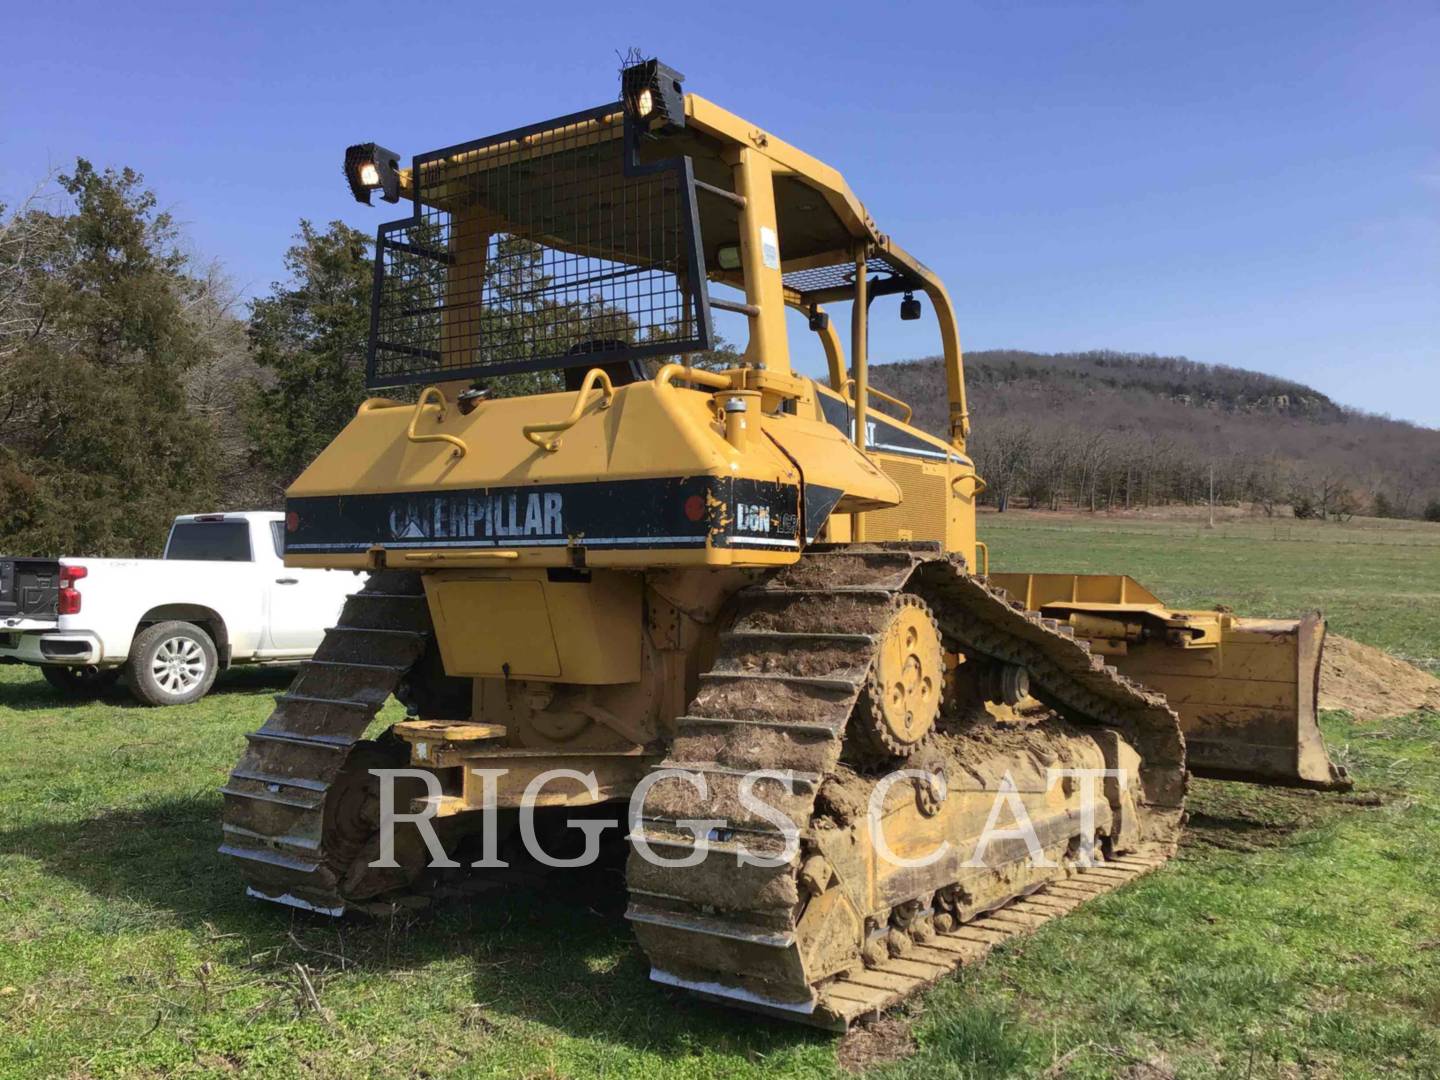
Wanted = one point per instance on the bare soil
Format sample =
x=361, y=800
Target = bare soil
x=878, y=1042
x=1370, y=684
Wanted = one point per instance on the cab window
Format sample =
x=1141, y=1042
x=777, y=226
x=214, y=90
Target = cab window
x=209, y=541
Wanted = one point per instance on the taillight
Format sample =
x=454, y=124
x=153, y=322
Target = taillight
x=69, y=603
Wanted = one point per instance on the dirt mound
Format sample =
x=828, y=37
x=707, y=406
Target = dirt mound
x=1370, y=684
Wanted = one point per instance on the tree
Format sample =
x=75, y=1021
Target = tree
x=1432, y=510
x=218, y=386
x=99, y=448
x=308, y=336
x=1002, y=454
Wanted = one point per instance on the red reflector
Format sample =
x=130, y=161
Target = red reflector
x=68, y=602
x=694, y=508
x=292, y=521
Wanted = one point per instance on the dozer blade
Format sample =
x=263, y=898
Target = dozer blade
x=1248, y=706
x=1245, y=689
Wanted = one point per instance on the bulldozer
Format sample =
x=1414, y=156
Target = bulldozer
x=742, y=611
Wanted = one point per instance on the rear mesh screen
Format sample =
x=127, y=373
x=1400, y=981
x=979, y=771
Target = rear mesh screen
x=539, y=248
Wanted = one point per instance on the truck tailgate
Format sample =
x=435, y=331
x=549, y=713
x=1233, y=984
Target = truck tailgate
x=29, y=589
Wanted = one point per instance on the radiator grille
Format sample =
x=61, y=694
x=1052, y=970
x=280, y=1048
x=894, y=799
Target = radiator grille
x=537, y=249
x=922, y=513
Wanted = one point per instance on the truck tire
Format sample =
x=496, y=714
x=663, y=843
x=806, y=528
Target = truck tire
x=171, y=663
x=81, y=683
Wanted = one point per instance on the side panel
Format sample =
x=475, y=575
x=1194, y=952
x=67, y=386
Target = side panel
x=117, y=593
x=523, y=625
x=937, y=502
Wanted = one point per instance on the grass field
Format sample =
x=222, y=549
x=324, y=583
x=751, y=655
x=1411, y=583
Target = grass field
x=1296, y=935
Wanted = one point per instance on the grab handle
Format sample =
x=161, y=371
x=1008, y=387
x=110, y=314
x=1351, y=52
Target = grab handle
x=909, y=412
x=980, y=486
x=437, y=436
x=667, y=375
x=536, y=432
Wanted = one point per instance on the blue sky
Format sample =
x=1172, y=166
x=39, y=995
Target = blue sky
x=1255, y=184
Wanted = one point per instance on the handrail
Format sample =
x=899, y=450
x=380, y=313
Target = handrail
x=713, y=379
x=850, y=381
x=980, y=485
x=371, y=404
x=534, y=432
x=439, y=436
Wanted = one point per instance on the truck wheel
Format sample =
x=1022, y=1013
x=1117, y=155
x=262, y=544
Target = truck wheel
x=80, y=682
x=171, y=663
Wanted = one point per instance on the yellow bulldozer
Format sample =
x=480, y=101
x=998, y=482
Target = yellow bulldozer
x=606, y=571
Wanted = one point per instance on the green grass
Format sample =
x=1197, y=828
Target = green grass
x=1298, y=934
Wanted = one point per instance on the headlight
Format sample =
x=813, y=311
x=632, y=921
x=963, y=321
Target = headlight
x=653, y=96
x=370, y=167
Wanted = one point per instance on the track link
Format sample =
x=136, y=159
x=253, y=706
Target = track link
x=785, y=682
x=288, y=821
x=866, y=992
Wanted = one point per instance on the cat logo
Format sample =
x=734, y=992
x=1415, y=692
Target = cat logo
x=406, y=525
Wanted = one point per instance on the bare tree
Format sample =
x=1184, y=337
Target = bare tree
x=26, y=238
x=217, y=386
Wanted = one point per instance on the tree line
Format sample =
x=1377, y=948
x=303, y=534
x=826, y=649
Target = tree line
x=1108, y=430
x=134, y=386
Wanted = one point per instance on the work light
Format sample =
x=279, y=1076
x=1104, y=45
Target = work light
x=368, y=167
x=653, y=96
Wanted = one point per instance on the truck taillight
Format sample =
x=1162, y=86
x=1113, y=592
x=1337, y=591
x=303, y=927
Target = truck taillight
x=69, y=602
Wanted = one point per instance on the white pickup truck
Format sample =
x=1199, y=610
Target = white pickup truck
x=220, y=595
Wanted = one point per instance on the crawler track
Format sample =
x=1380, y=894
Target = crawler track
x=779, y=696
x=865, y=992
x=291, y=820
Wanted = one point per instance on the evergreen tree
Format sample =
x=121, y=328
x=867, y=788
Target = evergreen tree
x=99, y=450
x=309, y=336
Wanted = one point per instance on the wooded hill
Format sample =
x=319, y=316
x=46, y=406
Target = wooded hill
x=1107, y=429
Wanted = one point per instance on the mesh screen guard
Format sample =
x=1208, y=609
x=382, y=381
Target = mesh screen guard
x=536, y=249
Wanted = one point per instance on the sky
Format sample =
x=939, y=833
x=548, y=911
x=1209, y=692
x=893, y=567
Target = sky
x=1254, y=184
